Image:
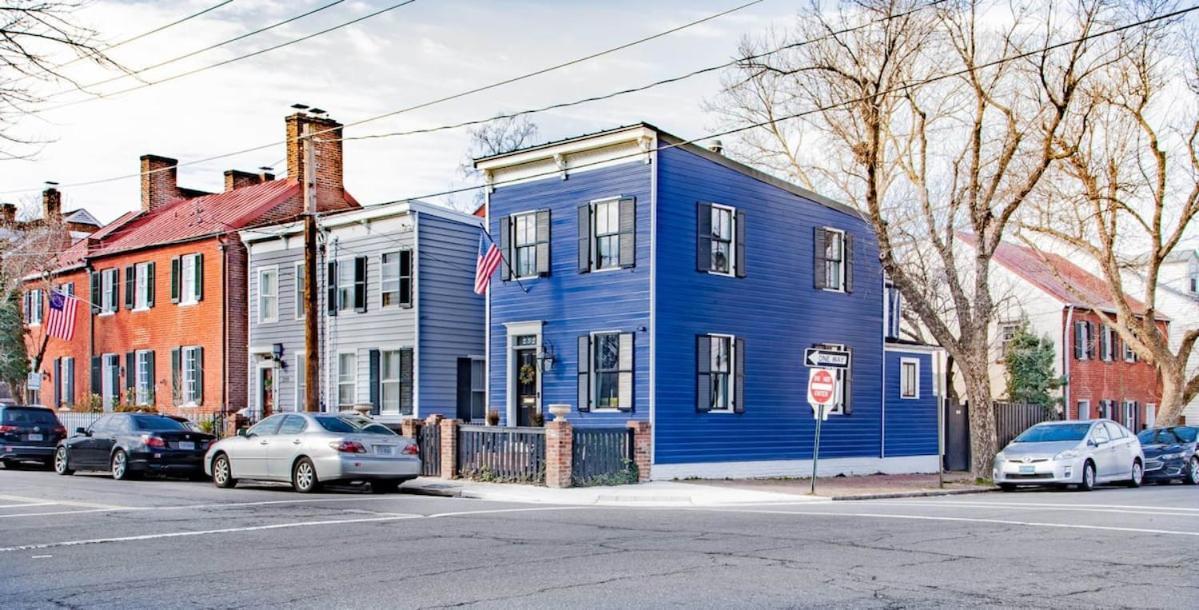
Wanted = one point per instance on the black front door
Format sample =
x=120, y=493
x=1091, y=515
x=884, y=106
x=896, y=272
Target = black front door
x=526, y=386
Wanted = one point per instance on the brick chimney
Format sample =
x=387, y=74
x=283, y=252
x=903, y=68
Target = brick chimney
x=330, y=188
x=159, y=176
x=51, y=205
x=8, y=214
x=235, y=179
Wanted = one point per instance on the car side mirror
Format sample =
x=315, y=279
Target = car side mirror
x=81, y=431
x=243, y=432
x=1092, y=442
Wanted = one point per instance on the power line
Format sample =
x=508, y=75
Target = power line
x=227, y=61
x=197, y=51
x=423, y=105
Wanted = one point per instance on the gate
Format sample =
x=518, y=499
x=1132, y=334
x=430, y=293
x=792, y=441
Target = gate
x=428, y=438
x=602, y=456
x=957, y=436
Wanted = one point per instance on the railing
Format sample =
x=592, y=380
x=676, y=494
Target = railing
x=602, y=456
x=1013, y=418
x=492, y=453
x=429, y=440
x=72, y=420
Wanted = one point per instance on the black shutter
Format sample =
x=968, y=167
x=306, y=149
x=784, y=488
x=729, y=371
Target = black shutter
x=199, y=375
x=584, y=373
x=818, y=261
x=1090, y=343
x=1103, y=343
x=360, y=284
x=199, y=277
x=176, y=376
x=57, y=378
x=464, y=389
x=97, y=383
x=176, y=273
x=847, y=256
x=543, y=243
x=584, y=238
x=153, y=383
x=703, y=237
x=506, y=248
x=703, y=373
x=130, y=370
x=628, y=232
x=739, y=376
x=130, y=285
x=115, y=292
x=1078, y=348
x=625, y=386
x=406, y=278
x=406, y=382
x=331, y=280
x=739, y=247
x=150, y=285
x=847, y=386
x=26, y=299
x=375, y=389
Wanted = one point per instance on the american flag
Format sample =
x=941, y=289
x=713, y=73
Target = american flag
x=61, y=322
x=489, y=259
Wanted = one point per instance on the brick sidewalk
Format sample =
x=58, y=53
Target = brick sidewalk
x=863, y=486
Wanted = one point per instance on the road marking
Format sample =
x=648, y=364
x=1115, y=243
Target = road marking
x=28, y=504
x=1139, y=507
x=41, y=557
x=1160, y=512
x=198, y=506
x=27, y=499
x=1136, y=530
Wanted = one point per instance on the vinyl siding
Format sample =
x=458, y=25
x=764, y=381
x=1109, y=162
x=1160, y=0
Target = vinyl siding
x=775, y=309
x=572, y=303
x=287, y=330
x=911, y=423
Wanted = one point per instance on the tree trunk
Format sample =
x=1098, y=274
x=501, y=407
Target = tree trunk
x=982, y=416
x=1169, y=412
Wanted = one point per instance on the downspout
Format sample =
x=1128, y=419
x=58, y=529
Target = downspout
x=91, y=329
x=224, y=324
x=882, y=428
x=1066, y=362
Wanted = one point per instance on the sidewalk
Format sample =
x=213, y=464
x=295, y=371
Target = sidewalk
x=651, y=494
x=862, y=487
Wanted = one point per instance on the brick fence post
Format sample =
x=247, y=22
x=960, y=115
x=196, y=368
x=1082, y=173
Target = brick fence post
x=559, y=445
x=410, y=427
x=233, y=421
x=449, y=446
x=642, y=448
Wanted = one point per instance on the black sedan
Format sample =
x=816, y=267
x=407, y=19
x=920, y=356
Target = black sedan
x=28, y=434
x=132, y=444
x=1171, y=454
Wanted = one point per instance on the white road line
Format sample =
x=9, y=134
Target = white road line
x=1136, y=530
x=1161, y=512
x=200, y=506
x=28, y=504
x=1140, y=507
x=27, y=499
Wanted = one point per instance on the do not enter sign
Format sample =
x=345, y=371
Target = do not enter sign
x=822, y=386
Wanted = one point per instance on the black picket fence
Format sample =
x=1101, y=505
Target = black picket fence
x=501, y=454
x=428, y=439
x=602, y=456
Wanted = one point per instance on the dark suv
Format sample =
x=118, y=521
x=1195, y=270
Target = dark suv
x=29, y=434
x=131, y=444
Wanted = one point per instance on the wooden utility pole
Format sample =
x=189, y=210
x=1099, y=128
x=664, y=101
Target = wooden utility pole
x=312, y=356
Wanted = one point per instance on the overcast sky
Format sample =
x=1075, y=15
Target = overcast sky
x=413, y=54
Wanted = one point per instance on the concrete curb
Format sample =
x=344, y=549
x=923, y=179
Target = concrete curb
x=915, y=494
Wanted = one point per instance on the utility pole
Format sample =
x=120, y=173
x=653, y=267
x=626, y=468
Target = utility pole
x=312, y=356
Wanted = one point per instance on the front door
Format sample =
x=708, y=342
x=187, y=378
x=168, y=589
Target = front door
x=110, y=381
x=266, y=390
x=525, y=389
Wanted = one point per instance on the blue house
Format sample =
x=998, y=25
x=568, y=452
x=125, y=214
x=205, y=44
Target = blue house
x=651, y=279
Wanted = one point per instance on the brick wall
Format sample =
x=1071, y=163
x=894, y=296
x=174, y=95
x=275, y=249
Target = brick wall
x=237, y=280
x=1095, y=379
x=57, y=348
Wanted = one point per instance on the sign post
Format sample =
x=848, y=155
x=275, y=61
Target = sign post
x=822, y=386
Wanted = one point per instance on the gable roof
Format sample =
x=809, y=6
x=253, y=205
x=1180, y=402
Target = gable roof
x=83, y=217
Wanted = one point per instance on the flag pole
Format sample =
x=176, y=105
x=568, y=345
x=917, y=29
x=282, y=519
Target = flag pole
x=503, y=258
x=76, y=297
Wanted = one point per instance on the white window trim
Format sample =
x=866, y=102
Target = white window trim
x=65, y=378
x=841, y=275
x=1081, y=405
x=514, y=330
x=731, y=409
x=595, y=245
x=263, y=319
x=1085, y=339
x=512, y=224
x=137, y=379
x=35, y=311
x=905, y=361
x=108, y=308
x=188, y=285
x=346, y=304
x=188, y=399
x=354, y=382
x=732, y=272
x=141, y=292
x=297, y=403
x=592, y=372
x=298, y=291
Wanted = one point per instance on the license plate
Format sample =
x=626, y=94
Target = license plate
x=1028, y=469
x=383, y=449
x=187, y=445
x=36, y=437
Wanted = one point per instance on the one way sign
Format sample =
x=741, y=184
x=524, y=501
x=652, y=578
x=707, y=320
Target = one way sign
x=826, y=358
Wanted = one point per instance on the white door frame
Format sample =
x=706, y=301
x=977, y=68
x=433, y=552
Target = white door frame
x=518, y=329
x=110, y=395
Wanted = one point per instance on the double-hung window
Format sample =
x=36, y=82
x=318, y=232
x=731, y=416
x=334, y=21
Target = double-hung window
x=1084, y=347
x=144, y=377
x=1107, y=343
x=524, y=243
x=607, y=234
x=66, y=381
x=720, y=379
x=298, y=291
x=347, y=379
x=187, y=373
x=1130, y=355
x=1007, y=332
x=268, y=295
x=33, y=305
x=606, y=371
x=722, y=240
x=833, y=268
x=396, y=279
x=108, y=291
x=909, y=378
x=301, y=381
x=345, y=285
x=191, y=279
x=395, y=381
x=143, y=278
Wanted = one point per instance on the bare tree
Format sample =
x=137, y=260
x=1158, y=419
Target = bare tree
x=1128, y=195
x=498, y=136
x=936, y=122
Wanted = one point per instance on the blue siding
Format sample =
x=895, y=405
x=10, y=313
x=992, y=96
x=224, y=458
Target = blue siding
x=775, y=309
x=572, y=303
x=911, y=423
x=451, y=314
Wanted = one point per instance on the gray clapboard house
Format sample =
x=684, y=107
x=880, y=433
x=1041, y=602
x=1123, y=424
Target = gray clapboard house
x=401, y=328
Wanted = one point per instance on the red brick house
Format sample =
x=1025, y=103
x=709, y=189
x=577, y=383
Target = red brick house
x=1059, y=299
x=167, y=285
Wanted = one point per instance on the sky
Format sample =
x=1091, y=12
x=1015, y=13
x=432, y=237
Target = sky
x=413, y=54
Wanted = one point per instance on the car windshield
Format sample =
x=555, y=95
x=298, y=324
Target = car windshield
x=336, y=424
x=14, y=416
x=369, y=427
x=1187, y=434
x=156, y=423
x=1054, y=433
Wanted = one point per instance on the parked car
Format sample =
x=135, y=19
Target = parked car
x=132, y=444
x=1171, y=454
x=1079, y=453
x=367, y=425
x=29, y=434
x=309, y=449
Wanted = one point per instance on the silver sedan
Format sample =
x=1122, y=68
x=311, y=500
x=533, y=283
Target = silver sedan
x=1080, y=453
x=310, y=449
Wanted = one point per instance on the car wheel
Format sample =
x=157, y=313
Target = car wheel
x=222, y=473
x=303, y=477
x=62, y=464
x=1137, y=475
x=1192, y=474
x=385, y=487
x=1007, y=487
x=1088, y=477
x=120, y=466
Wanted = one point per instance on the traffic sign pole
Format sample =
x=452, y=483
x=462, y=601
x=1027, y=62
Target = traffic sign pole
x=816, y=445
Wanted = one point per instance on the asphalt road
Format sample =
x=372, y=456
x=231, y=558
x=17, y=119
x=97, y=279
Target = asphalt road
x=88, y=541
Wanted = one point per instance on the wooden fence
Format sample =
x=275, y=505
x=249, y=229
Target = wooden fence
x=1013, y=418
x=493, y=453
x=602, y=456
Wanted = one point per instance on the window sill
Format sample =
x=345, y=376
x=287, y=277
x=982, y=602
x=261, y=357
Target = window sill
x=721, y=412
x=721, y=273
x=605, y=410
x=271, y=321
x=610, y=269
x=104, y=314
x=905, y=398
x=834, y=290
x=187, y=303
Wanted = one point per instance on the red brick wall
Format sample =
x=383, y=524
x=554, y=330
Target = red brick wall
x=238, y=322
x=1095, y=379
x=57, y=348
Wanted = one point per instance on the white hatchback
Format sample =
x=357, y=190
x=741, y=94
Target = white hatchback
x=1079, y=453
